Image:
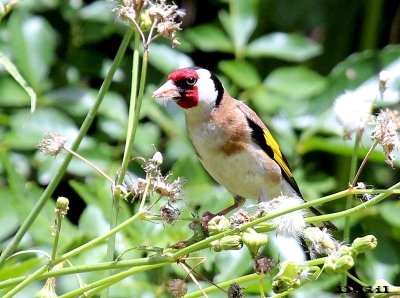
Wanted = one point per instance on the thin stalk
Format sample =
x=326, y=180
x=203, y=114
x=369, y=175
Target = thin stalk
x=204, y=243
x=26, y=282
x=101, y=238
x=132, y=106
x=363, y=163
x=56, y=236
x=126, y=158
x=90, y=268
x=261, y=286
x=361, y=283
x=223, y=285
x=100, y=171
x=101, y=284
x=352, y=173
x=353, y=210
x=349, y=200
x=11, y=246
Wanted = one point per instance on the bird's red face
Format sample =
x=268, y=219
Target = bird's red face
x=181, y=87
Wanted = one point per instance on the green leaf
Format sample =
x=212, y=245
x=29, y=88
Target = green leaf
x=390, y=212
x=27, y=129
x=209, y=38
x=13, y=71
x=242, y=73
x=286, y=46
x=12, y=94
x=33, y=44
x=166, y=59
x=296, y=82
x=8, y=220
x=240, y=22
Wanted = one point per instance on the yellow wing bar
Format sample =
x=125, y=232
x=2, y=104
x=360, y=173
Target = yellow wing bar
x=278, y=156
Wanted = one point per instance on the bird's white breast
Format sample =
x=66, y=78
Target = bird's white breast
x=244, y=173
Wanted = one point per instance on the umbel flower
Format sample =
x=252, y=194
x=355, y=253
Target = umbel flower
x=51, y=144
x=152, y=15
x=385, y=133
x=156, y=181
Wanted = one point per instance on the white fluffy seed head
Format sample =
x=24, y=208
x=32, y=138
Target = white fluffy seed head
x=291, y=224
x=353, y=111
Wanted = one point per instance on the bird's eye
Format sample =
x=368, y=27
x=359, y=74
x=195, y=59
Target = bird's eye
x=191, y=81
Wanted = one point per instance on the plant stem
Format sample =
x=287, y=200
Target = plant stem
x=91, y=268
x=363, y=163
x=349, y=200
x=352, y=173
x=89, y=163
x=56, y=237
x=26, y=281
x=101, y=284
x=355, y=209
x=225, y=284
x=63, y=167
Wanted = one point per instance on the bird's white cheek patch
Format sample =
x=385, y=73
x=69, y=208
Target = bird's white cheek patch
x=206, y=89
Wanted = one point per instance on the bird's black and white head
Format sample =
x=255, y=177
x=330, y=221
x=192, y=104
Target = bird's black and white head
x=192, y=87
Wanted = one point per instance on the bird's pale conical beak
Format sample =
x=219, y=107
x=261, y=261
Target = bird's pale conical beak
x=168, y=90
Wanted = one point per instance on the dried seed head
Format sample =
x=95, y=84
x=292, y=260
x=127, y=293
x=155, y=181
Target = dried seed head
x=385, y=133
x=169, y=213
x=51, y=144
x=48, y=290
x=235, y=291
x=240, y=218
x=177, y=287
x=263, y=264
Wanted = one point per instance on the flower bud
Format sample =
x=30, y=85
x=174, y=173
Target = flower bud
x=344, y=263
x=218, y=224
x=62, y=206
x=287, y=277
x=364, y=244
x=345, y=250
x=254, y=240
x=330, y=265
x=145, y=21
x=227, y=243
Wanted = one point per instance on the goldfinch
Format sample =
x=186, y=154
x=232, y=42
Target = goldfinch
x=231, y=141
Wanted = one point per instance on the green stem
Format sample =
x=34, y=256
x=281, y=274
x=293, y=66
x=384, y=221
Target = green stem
x=132, y=106
x=11, y=246
x=26, y=281
x=204, y=243
x=90, y=268
x=127, y=155
x=352, y=173
x=355, y=209
x=223, y=285
x=101, y=238
x=361, y=283
x=56, y=236
x=349, y=200
x=101, y=284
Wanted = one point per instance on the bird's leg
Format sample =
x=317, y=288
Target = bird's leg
x=207, y=216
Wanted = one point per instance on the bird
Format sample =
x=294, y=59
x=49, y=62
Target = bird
x=231, y=141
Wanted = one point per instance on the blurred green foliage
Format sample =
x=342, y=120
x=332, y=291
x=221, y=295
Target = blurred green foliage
x=286, y=59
